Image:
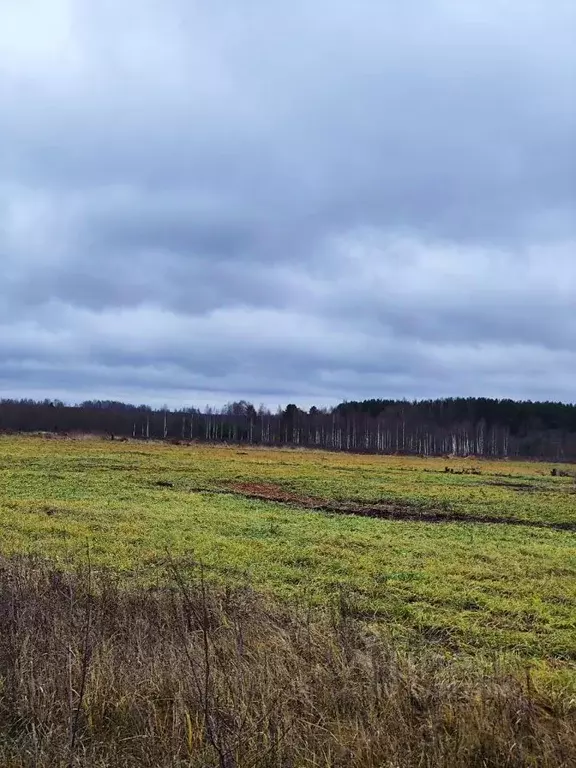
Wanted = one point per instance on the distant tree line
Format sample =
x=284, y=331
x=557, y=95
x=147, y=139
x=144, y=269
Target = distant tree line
x=457, y=426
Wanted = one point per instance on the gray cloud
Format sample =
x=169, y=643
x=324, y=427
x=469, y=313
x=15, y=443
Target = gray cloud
x=309, y=202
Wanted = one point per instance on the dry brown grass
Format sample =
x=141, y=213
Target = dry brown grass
x=92, y=674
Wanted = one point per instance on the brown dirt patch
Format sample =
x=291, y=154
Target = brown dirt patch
x=385, y=510
x=271, y=492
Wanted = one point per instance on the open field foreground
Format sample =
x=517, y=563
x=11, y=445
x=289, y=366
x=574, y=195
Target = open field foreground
x=348, y=610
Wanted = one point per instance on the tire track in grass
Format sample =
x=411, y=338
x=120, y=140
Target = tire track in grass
x=385, y=510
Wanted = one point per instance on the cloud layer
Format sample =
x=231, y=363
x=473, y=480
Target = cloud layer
x=287, y=202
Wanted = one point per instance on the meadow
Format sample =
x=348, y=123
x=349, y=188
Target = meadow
x=473, y=560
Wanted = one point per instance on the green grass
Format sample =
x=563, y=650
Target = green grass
x=466, y=586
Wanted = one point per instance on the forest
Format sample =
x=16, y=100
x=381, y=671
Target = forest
x=452, y=426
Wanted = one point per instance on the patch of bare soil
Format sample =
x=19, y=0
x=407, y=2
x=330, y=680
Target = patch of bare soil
x=385, y=510
x=271, y=492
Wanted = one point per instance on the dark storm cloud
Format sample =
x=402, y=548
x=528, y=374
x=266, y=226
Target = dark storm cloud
x=306, y=202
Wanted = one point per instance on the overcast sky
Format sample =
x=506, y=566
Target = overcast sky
x=297, y=201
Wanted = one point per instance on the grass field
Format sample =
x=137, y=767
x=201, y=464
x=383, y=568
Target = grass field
x=348, y=610
x=465, y=585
